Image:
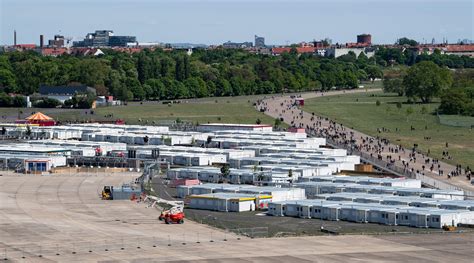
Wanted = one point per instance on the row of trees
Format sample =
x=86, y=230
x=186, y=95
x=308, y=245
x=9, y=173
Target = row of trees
x=175, y=75
x=409, y=56
x=426, y=80
x=161, y=75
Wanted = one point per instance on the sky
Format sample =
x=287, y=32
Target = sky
x=217, y=21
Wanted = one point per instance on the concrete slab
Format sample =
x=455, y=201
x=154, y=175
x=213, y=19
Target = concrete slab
x=60, y=218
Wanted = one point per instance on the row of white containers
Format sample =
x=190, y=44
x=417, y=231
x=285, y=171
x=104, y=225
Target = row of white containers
x=395, y=182
x=371, y=213
x=278, y=194
x=236, y=176
x=85, y=146
x=170, y=138
x=316, y=188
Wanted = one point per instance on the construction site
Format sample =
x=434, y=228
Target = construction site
x=114, y=193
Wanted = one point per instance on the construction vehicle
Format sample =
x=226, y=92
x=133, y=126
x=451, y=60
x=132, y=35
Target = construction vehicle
x=107, y=193
x=173, y=215
x=124, y=192
x=449, y=228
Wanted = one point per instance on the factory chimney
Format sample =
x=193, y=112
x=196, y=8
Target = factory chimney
x=41, y=41
x=14, y=37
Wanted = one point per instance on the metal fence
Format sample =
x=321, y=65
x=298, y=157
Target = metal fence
x=114, y=245
x=456, y=121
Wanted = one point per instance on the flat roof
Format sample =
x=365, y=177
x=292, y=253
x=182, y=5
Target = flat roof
x=236, y=125
x=31, y=149
x=231, y=196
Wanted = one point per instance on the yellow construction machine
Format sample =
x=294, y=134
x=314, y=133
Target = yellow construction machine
x=107, y=193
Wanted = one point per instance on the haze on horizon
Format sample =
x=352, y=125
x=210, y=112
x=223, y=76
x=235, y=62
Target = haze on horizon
x=214, y=22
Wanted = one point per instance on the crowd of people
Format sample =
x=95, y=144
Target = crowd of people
x=378, y=148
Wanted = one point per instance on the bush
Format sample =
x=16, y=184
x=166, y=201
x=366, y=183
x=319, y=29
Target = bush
x=47, y=103
x=19, y=101
x=16, y=101
x=81, y=101
x=454, y=101
x=5, y=100
x=277, y=122
x=377, y=103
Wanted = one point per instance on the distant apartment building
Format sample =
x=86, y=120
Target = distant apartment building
x=338, y=51
x=121, y=41
x=447, y=49
x=57, y=42
x=460, y=50
x=259, y=41
x=104, y=38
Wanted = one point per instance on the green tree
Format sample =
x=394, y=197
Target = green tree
x=91, y=72
x=7, y=80
x=426, y=80
x=157, y=88
x=225, y=171
x=5, y=100
x=394, y=85
x=453, y=101
x=223, y=87
x=373, y=72
x=406, y=41
x=277, y=122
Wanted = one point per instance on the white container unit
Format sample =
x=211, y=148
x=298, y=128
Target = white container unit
x=326, y=210
x=386, y=216
x=457, y=205
x=224, y=202
x=355, y=213
x=278, y=194
x=439, y=218
x=277, y=208
x=415, y=217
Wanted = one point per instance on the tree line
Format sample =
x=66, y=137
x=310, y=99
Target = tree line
x=409, y=56
x=164, y=75
x=169, y=75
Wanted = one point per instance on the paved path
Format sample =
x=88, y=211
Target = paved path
x=281, y=107
x=62, y=219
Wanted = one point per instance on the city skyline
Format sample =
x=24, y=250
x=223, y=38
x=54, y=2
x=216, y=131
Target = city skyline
x=213, y=22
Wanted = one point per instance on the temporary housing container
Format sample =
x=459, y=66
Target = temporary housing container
x=440, y=218
x=457, y=205
x=229, y=202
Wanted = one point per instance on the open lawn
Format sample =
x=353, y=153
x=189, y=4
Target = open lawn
x=221, y=110
x=360, y=112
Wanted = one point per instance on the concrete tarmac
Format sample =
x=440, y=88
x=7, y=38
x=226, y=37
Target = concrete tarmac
x=61, y=218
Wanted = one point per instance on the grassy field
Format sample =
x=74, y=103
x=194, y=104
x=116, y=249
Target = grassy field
x=360, y=112
x=221, y=110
